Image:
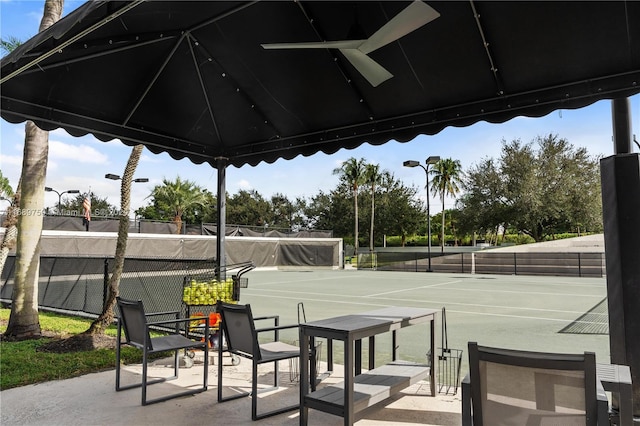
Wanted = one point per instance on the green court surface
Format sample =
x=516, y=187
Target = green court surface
x=551, y=314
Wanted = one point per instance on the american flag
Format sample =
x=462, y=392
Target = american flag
x=86, y=208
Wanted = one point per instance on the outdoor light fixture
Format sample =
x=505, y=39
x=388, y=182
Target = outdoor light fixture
x=413, y=163
x=116, y=177
x=70, y=191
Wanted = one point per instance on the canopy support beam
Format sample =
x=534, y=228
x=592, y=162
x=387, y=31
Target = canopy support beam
x=620, y=177
x=221, y=204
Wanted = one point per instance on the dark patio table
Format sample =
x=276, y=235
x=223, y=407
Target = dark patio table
x=361, y=390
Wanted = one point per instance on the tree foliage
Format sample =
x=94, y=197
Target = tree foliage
x=175, y=197
x=6, y=191
x=539, y=188
x=9, y=44
x=248, y=208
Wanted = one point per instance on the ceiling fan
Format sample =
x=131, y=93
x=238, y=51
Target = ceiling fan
x=409, y=19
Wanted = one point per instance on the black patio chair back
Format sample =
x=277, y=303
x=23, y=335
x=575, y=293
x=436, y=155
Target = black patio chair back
x=532, y=388
x=240, y=331
x=134, y=321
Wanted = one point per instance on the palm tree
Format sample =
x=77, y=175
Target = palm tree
x=99, y=325
x=352, y=171
x=23, y=320
x=179, y=195
x=11, y=221
x=9, y=44
x=447, y=179
x=372, y=177
x=5, y=187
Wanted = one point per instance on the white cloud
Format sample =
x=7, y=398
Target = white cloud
x=11, y=160
x=82, y=153
x=244, y=184
x=150, y=159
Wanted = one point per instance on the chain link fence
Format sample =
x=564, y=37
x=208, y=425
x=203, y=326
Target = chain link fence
x=79, y=285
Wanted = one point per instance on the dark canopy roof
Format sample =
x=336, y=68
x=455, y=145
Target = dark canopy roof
x=191, y=78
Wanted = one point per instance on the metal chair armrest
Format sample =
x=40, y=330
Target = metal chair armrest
x=279, y=327
x=276, y=317
x=161, y=313
x=178, y=321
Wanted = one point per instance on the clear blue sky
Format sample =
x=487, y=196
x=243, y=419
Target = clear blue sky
x=81, y=163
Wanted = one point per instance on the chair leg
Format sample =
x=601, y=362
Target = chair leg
x=254, y=396
x=144, y=376
x=220, y=399
x=206, y=366
x=118, y=343
x=254, y=390
x=176, y=363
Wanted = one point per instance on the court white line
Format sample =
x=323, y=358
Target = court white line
x=289, y=282
x=343, y=302
x=501, y=307
x=430, y=301
x=522, y=292
x=409, y=289
x=512, y=280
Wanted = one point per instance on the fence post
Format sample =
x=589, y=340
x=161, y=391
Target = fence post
x=515, y=264
x=473, y=263
x=579, y=265
x=105, y=283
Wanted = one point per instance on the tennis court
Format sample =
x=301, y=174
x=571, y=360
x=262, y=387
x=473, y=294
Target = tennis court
x=554, y=314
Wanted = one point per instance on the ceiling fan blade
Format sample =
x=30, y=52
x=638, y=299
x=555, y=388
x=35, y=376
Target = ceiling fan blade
x=409, y=19
x=370, y=69
x=341, y=44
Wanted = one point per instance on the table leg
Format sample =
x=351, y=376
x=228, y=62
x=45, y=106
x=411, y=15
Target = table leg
x=394, y=346
x=348, y=382
x=313, y=370
x=372, y=352
x=304, y=377
x=358, y=354
x=432, y=361
x=329, y=356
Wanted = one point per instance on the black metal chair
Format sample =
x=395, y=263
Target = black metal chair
x=241, y=335
x=136, y=324
x=511, y=387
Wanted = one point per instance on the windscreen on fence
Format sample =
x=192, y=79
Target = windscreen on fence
x=145, y=226
x=78, y=284
x=580, y=264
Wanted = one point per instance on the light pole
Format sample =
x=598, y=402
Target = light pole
x=116, y=177
x=70, y=191
x=412, y=163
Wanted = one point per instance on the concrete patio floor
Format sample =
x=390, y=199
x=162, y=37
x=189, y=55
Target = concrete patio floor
x=92, y=400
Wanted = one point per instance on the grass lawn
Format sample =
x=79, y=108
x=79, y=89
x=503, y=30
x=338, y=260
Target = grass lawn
x=21, y=363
